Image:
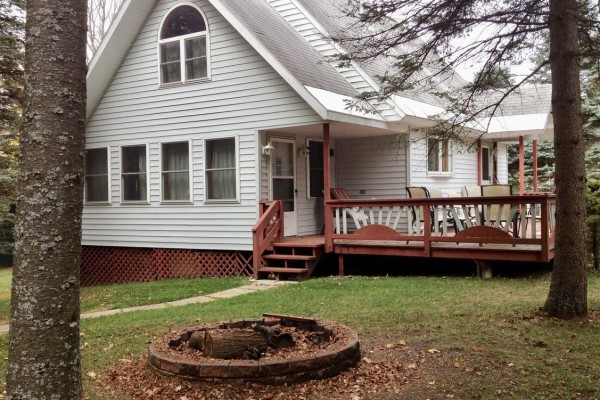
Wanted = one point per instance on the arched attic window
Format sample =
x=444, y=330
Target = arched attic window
x=183, y=46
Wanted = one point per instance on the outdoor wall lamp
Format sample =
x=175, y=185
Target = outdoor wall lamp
x=268, y=149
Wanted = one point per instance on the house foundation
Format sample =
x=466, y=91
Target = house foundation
x=104, y=265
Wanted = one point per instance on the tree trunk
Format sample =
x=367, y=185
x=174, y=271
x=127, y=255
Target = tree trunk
x=44, y=358
x=232, y=343
x=567, y=297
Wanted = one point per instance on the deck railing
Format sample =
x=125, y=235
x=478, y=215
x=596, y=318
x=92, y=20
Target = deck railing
x=267, y=230
x=505, y=220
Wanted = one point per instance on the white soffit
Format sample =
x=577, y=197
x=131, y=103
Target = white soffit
x=514, y=123
x=338, y=103
x=417, y=108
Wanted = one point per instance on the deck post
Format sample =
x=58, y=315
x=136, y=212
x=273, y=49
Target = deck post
x=535, y=166
x=545, y=213
x=484, y=269
x=340, y=264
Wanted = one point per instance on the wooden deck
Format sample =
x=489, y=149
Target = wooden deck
x=510, y=228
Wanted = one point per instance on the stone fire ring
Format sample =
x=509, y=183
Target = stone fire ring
x=320, y=364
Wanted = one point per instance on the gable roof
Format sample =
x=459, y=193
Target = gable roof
x=290, y=49
x=270, y=35
x=300, y=64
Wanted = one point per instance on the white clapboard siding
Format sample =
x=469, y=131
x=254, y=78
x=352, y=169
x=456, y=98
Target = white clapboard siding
x=244, y=96
x=502, y=157
x=464, y=166
x=371, y=167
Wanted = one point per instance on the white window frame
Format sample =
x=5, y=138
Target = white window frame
x=440, y=172
x=181, y=40
x=190, y=174
x=123, y=201
x=307, y=161
x=237, y=170
x=108, y=201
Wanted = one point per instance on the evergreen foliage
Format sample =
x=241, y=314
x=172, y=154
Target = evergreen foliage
x=11, y=104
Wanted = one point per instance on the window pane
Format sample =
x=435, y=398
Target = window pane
x=96, y=161
x=195, y=48
x=96, y=188
x=176, y=186
x=283, y=189
x=445, y=156
x=220, y=153
x=134, y=187
x=283, y=163
x=195, y=69
x=169, y=52
x=175, y=156
x=133, y=159
x=182, y=21
x=221, y=185
x=221, y=169
x=433, y=155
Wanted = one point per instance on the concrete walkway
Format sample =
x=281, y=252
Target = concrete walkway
x=253, y=286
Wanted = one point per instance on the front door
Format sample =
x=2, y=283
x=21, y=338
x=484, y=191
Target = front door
x=283, y=181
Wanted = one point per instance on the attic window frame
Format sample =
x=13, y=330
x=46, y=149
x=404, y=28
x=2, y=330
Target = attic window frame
x=181, y=40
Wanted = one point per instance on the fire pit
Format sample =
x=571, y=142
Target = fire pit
x=275, y=349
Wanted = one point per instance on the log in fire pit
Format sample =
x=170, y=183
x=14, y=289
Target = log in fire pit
x=275, y=349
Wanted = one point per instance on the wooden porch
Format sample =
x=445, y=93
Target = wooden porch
x=509, y=228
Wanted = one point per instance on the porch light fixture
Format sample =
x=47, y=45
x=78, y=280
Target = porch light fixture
x=268, y=149
x=303, y=151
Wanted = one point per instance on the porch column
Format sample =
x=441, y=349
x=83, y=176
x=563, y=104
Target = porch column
x=479, y=171
x=326, y=164
x=327, y=216
x=521, y=165
x=535, y=166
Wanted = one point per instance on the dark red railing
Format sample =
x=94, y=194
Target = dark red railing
x=267, y=230
x=502, y=220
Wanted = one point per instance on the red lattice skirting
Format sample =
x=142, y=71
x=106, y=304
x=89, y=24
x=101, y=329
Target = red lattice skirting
x=103, y=265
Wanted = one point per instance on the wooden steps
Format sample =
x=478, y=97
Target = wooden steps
x=293, y=259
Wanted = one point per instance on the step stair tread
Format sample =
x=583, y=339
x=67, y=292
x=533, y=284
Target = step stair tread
x=299, y=245
x=289, y=257
x=283, y=270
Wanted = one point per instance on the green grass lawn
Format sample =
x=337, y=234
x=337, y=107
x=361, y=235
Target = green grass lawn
x=5, y=281
x=492, y=326
x=108, y=297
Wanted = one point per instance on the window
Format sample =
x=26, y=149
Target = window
x=175, y=171
x=315, y=168
x=221, y=169
x=438, y=156
x=96, y=175
x=134, y=182
x=183, y=46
